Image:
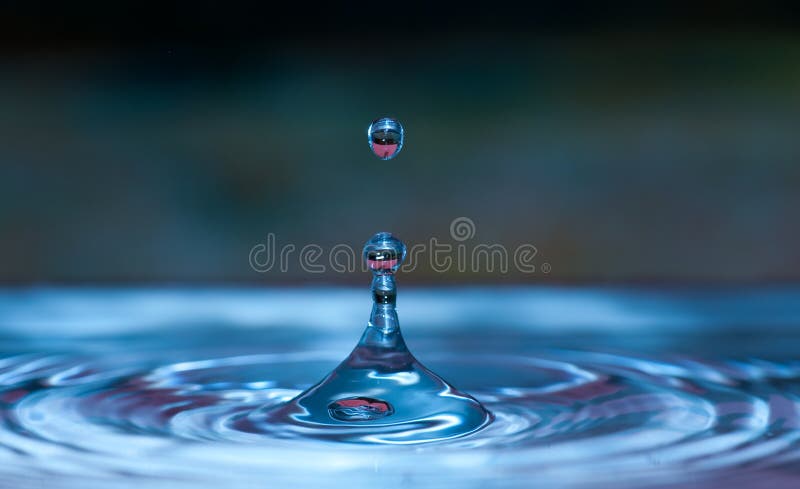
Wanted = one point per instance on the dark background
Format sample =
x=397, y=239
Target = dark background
x=161, y=143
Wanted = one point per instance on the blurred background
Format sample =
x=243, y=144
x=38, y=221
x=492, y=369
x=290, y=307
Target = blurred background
x=627, y=143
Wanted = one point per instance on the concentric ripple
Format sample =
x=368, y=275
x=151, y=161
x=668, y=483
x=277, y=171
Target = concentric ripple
x=583, y=417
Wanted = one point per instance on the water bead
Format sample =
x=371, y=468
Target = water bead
x=384, y=252
x=385, y=136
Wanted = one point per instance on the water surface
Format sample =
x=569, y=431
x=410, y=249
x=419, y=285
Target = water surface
x=588, y=387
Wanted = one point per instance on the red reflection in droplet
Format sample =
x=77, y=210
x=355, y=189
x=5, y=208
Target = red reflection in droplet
x=384, y=150
x=381, y=264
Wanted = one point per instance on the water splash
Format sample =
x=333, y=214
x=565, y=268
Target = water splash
x=380, y=393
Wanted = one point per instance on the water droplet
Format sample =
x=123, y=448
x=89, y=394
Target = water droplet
x=385, y=137
x=384, y=253
x=359, y=409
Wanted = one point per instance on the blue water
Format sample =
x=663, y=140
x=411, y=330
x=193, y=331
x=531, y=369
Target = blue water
x=380, y=394
x=588, y=387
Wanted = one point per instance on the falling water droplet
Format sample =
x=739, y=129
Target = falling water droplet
x=385, y=137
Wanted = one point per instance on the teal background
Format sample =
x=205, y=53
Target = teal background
x=626, y=145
